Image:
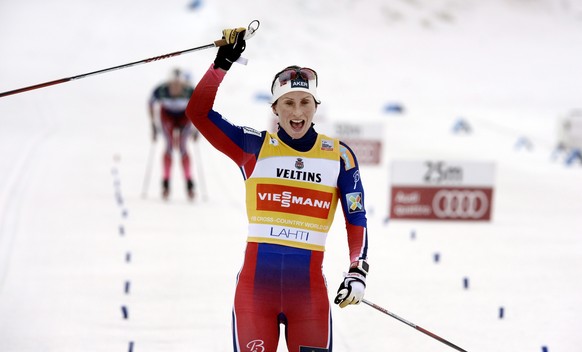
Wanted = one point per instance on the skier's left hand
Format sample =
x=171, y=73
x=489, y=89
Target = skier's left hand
x=352, y=289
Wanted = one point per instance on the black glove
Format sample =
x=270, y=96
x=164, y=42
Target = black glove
x=227, y=54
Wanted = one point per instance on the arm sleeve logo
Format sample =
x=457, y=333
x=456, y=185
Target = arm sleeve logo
x=354, y=202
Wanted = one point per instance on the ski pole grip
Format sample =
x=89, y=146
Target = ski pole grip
x=220, y=42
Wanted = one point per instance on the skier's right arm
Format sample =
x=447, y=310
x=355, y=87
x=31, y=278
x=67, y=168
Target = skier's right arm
x=241, y=144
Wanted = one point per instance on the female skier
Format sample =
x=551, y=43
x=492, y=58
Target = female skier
x=294, y=179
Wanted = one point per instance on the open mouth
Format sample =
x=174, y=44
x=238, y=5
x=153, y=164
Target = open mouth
x=297, y=124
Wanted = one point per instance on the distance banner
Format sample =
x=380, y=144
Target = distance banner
x=364, y=138
x=441, y=190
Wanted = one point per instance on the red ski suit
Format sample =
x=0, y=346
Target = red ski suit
x=293, y=187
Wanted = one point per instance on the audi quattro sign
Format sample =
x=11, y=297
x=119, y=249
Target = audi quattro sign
x=441, y=190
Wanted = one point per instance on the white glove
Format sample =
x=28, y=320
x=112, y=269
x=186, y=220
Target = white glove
x=351, y=290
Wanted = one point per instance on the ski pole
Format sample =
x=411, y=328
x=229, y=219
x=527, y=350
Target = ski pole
x=198, y=156
x=424, y=331
x=251, y=29
x=148, y=171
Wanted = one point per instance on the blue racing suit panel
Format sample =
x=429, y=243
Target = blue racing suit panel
x=351, y=190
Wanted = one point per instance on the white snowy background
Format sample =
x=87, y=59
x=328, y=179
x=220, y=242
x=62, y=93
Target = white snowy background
x=79, y=243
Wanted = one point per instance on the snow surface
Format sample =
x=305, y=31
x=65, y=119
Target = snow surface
x=78, y=241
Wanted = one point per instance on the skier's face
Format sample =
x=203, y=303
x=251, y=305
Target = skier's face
x=295, y=111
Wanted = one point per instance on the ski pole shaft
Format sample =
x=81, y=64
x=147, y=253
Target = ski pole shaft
x=424, y=331
x=148, y=171
x=252, y=28
x=198, y=156
x=119, y=67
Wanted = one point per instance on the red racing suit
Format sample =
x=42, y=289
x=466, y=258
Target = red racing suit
x=292, y=189
x=173, y=117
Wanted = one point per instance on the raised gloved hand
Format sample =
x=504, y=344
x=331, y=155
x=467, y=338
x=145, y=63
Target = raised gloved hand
x=229, y=53
x=351, y=290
